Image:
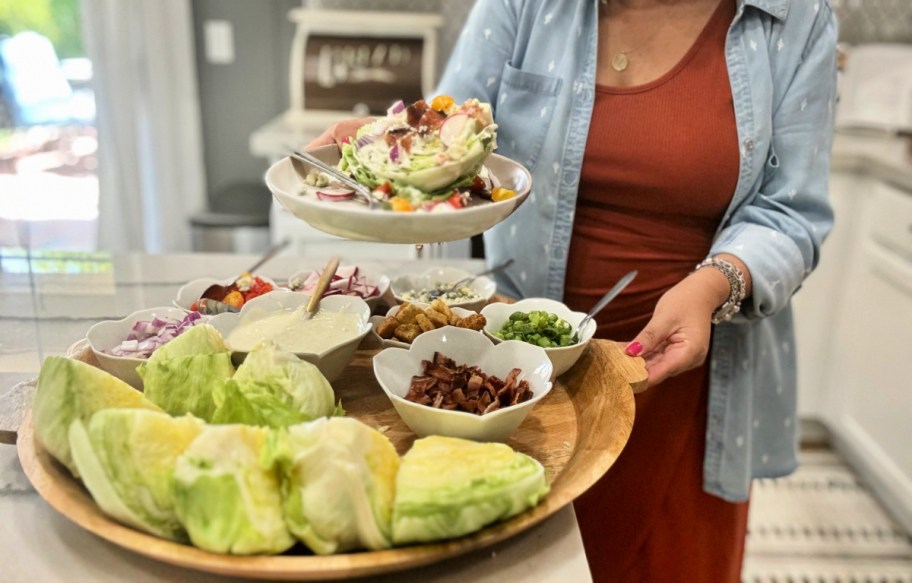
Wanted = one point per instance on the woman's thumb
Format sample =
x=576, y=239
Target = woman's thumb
x=644, y=342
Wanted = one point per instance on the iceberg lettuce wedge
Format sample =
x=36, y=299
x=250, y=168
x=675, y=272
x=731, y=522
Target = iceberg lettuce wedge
x=70, y=390
x=183, y=374
x=338, y=483
x=274, y=388
x=448, y=487
x=225, y=498
x=126, y=459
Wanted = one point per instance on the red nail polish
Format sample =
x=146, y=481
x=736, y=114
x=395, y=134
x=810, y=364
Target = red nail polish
x=634, y=348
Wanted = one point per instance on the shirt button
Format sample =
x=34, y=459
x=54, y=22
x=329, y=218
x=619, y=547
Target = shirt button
x=749, y=144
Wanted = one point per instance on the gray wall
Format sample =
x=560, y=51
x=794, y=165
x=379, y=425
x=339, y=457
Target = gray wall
x=238, y=98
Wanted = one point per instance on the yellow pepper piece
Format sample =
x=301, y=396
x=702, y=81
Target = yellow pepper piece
x=234, y=298
x=499, y=194
x=401, y=205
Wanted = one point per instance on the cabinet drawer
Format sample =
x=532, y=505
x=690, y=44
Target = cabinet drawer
x=891, y=219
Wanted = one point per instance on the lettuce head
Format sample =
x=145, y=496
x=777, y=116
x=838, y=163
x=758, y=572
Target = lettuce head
x=225, y=498
x=126, y=459
x=182, y=375
x=450, y=487
x=70, y=390
x=338, y=483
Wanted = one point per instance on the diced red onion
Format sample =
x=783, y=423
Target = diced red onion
x=364, y=140
x=395, y=108
x=148, y=335
x=394, y=153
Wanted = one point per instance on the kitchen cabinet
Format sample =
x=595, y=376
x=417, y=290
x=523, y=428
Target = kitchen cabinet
x=854, y=320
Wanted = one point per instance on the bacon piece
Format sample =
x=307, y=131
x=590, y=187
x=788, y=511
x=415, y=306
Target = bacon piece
x=415, y=111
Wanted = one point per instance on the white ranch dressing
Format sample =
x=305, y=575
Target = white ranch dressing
x=292, y=332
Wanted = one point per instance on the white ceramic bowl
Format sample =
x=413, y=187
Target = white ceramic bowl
x=333, y=359
x=380, y=281
x=394, y=368
x=563, y=357
x=377, y=320
x=104, y=336
x=351, y=220
x=483, y=286
x=191, y=291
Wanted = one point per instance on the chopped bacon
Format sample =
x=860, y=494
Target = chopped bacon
x=446, y=385
x=415, y=111
x=430, y=121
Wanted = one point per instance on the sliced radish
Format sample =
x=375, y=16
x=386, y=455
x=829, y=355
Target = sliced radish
x=335, y=194
x=452, y=127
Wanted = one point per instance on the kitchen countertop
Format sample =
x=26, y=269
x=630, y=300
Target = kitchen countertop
x=886, y=157
x=51, y=299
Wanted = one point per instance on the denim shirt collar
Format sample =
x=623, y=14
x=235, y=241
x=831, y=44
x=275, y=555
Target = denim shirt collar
x=776, y=8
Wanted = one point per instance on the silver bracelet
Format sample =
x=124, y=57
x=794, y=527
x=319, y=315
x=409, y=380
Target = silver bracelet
x=736, y=282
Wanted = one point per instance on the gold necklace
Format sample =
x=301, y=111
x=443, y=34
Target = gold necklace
x=619, y=61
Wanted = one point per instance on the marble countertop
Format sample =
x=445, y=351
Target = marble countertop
x=51, y=299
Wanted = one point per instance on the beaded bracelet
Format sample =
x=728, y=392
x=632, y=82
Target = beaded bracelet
x=735, y=279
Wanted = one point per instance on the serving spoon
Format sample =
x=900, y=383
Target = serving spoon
x=434, y=293
x=606, y=299
x=299, y=161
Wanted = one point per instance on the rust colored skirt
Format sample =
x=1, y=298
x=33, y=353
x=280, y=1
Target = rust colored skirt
x=648, y=518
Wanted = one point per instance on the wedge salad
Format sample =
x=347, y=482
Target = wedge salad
x=420, y=157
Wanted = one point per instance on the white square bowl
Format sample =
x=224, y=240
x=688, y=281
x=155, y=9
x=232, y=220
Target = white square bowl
x=192, y=290
x=104, y=336
x=334, y=358
x=564, y=357
x=483, y=286
x=395, y=367
x=377, y=320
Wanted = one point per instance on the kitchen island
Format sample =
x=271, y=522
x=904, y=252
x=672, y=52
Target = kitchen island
x=51, y=299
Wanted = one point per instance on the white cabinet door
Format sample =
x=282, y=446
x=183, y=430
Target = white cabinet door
x=819, y=298
x=871, y=380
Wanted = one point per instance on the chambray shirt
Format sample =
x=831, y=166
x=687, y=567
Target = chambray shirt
x=535, y=61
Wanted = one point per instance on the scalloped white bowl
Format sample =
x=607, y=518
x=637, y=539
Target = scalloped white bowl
x=394, y=368
x=562, y=357
x=483, y=286
x=333, y=359
x=382, y=282
x=191, y=291
x=377, y=320
x=108, y=334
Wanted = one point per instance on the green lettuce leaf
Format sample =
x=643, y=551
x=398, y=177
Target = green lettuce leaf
x=450, y=487
x=126, y=459
x=70, y=390
x=338, y=483
x=225, y=498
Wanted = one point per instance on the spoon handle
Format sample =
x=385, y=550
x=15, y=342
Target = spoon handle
x=270, y=253
x=325, y=278
x=494, y=269
x=612, y=293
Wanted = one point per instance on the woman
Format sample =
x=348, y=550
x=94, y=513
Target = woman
x=664, y=135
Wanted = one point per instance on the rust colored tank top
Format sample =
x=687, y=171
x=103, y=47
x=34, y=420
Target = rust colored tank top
x=659, y=170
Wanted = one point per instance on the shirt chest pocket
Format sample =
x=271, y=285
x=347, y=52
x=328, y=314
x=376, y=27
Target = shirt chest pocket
x=524, y=109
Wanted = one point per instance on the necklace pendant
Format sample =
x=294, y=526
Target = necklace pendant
x=619, y=62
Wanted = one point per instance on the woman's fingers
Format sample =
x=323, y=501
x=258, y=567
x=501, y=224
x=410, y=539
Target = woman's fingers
x=339, y=133
x=324, y=139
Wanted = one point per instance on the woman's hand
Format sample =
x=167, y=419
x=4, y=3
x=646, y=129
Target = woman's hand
x=676, y=339
x=338, y=133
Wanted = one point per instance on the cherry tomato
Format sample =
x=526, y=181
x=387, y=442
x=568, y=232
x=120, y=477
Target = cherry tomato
x=234, y=298
x=442, y=103
x=456, y=200
x=195, y=306
x=499, y=194
x=386, y=189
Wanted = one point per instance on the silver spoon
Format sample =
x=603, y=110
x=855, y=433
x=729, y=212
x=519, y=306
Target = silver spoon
x=362, y=192
x=612, y=293
x=436, y=293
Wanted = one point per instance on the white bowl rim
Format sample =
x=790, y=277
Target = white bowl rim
x=184, y=289
x=381, y=280
x=547, y=384
x=389, y=342
x=483, y=285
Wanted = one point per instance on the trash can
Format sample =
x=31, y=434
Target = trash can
x=237, y=220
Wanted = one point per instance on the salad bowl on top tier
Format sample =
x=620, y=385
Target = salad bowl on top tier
x=352, y=220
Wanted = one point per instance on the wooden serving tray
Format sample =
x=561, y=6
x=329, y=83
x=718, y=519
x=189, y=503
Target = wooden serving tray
x=577, y=432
